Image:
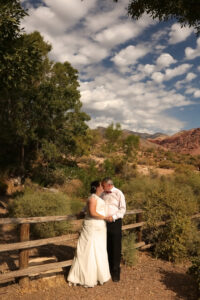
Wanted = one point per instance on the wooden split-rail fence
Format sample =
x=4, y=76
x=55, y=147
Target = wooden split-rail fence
x=26, y=244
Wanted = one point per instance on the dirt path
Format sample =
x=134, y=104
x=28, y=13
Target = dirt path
x=150, y=279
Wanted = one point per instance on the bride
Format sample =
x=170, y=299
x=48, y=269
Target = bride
x=90, y=264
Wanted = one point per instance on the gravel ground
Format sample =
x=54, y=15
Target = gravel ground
x=150, y=279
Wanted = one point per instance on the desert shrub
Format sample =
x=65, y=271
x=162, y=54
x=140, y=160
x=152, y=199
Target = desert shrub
x=143, y=161
x=136, y=190
x=167, y=164
x=183, y=168
x=34, y=203
x=195, y=270
x=189, y=178
x=76, y=205
x=173, y=239
x=129, y=252
x=174, y=205
x=87, y=176
x=150, y=150
x=108, y=167
x=47, y=176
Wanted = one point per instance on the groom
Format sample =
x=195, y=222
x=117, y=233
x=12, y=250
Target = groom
x=115, y=207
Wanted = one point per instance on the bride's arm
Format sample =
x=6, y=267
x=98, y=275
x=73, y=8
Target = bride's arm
x=92, y=203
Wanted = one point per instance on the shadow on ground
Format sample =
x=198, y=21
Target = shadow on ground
x=183, y=285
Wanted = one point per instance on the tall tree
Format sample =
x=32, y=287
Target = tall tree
x=113, y=134
x=39, y=99
x=187, y=12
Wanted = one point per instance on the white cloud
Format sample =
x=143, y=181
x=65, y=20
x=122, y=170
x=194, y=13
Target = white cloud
x=178, y=34
x=194, y=91
x=70, y=11
x=139, y=106
x=158, y=77
x=129, y=55
x=197, y=94
x=147, y=69
x=165, y=60
x=191, y=53
x=189, y=77
x=91, y=35
x=117, y=34
x=170, y=73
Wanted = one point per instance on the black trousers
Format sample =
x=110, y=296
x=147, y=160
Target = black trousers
x=114, y=240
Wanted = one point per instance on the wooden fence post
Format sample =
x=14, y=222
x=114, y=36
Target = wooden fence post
x=24, y=254
x=139, y=230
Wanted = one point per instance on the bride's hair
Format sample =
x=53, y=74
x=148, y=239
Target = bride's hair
x=94, y=185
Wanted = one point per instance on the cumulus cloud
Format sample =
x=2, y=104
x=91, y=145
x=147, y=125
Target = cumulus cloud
x=100, y=40
x=179, y=34
x=165, y=60
x=189, y=77
x=147, y=69
x=118, y=34
x=158, y=77
x=170, y=73
x=191, y=53
x=122, y=101
x=197, y=94
x=129, y=55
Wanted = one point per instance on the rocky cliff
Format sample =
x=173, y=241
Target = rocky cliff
x=187, y=142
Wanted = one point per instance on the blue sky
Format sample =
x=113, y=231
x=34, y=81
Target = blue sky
x=143, y=74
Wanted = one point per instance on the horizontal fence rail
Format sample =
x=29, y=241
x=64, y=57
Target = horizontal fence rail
x=33, y=220
x=25, y=244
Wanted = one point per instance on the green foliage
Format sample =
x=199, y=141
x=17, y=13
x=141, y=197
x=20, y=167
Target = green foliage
x=195, y=270
x=186, y=12
x=130, y=145
x=173, y=239
x=191, y=179
x=173, y=199
x=129, y=252
x=40, y=106
x=34, y=203
x=174, y=205
x=95, y=137
x=136, y=190
x=113, y=135
x=166, y=164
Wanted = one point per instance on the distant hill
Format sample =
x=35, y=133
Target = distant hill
x=186, y=142
x=140, y=134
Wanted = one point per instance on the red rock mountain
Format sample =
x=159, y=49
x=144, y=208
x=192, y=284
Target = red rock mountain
x=183, y=142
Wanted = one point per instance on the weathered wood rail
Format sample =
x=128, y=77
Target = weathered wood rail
x=25, y=244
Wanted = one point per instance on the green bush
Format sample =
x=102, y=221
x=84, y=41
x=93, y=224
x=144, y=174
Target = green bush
x=48, y=176
x=174, y=205
x=172, y=243
x=129, y=252
x=195, y=270
x=35, y=203
x=166, y=164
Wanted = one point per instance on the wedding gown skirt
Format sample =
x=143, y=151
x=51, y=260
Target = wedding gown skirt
x=90, y=264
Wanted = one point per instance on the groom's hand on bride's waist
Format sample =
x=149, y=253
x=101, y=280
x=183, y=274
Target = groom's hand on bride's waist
x=109, y=219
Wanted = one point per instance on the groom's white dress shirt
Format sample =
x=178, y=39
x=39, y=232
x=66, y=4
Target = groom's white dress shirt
x=115, y=203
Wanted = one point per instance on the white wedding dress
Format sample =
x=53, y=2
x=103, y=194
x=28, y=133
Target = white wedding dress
x=90, y=264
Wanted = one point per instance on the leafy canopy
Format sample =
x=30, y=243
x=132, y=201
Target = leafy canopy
x=40, y=103
x=187, y=12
